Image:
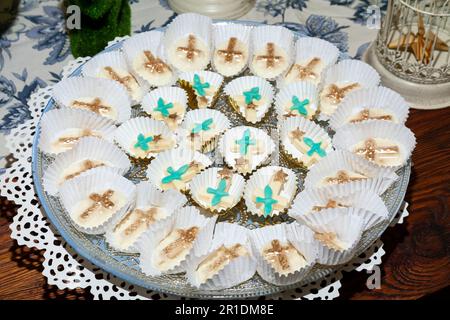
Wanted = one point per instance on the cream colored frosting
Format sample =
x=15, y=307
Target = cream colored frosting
x=66, y=139
x=342, y=176
x=78, y=167
x=125, y=78
x=330, y=101
x=305, y=70
x=290, y=113
x=384, y=152
x=372, y=113
x=262, y=62
x=229, y=67
x=172, y=123
x=162, y=144
x=251, y=115
x=180, y=57
x=283, y=257
x=156, y=72
x=96, y=105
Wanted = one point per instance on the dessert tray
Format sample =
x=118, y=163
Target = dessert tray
x=344, y=189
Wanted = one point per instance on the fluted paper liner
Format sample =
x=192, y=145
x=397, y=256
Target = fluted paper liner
x=109, y=91
x=148, y=196
x=99, y=180
x=236, y=271
x=371, y=98
x=89, y=148
x=57, y=122
x=183, y=218
x=299, y=236
x=349, y=135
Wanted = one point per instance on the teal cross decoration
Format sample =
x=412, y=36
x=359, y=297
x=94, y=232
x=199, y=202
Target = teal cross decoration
x=218, y=193
x=300, y=105
x=268, y=201
x=204, y=126
x=315, y=147
x=199, y=86
x=245, y=142
x=163, y=107
x=143, y=141
x=175, y=174
x=252, y=94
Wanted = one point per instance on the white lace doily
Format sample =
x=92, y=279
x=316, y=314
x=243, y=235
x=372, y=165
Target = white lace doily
x=65, y=269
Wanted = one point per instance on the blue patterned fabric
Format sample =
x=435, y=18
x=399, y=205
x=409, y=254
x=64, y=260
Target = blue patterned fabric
x=35, y=48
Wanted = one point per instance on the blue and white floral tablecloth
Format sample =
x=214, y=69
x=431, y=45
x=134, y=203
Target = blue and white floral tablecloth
x=36, y=47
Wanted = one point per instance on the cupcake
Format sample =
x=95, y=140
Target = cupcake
x=364, y=203
x=113, y=65
x=174, y=169
x=142, y=137
x=227, y=263
x=384, y=143
x=202, y=87
x=250, y=96
x=304, y=141
x=312, y=57
x=187, y=42
x=202, y=129
x=217, y=189
x=103, y=97
x=344, y=172
x=341, y=79
x=245, y=148
x=299, y=99
x=270, y=191
x=61, y=129
x=377, y=103
x=152, y=208
x=272, y=50
x=170, y=248
x=285, y=253
x=97, y=200
x=145, y=55
x=337, y=234
x=166, y=104
x=231, y=48
x=89, y=153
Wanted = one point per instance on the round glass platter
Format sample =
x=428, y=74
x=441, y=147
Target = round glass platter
x=126, y=266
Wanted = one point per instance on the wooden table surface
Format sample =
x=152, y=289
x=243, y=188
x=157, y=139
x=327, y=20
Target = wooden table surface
x=417, y=259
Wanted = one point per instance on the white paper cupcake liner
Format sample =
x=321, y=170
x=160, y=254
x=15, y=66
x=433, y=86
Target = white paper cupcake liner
x=169, y=95
x=99, y=180
x=215, y=80
x=237, y=86
x=238, y=270
x=210, y=179
x=221, y=35
x=147, y=41
x=58, y=122
x=89, y=148
x=346, y=227
x=116, y=60
x=260, y=179
x=220, y=124
x=307, y=48
x=346, y=137
x=312, y=131
x=379, y=179
x=228, y=140
x=347, y=72
x=175, y=158
x=302, y=90
x=278, y=35
x=183, y=25
x=147, y=196
x=299, y=236
x=371, y=98
x=364, y=200
x=183, y=218
x=110, y=92
x=127, y=134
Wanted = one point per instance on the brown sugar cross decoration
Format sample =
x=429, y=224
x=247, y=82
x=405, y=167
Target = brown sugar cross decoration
x=146, y=217
x=336, y=94
x=94, y=106
x=329, y=239
x=227, y=254
x=343, y=177
x=330, y=204
x=99, y=200
x=365, y=115
x=191, y=51
x=371, y=150
x=125, y=81
x=278, y=253
x=155, y=64
x=306, y=71
x=185, y=238
x=230, y=52
x=270, y=56
x=85, y=165
x=84, y=133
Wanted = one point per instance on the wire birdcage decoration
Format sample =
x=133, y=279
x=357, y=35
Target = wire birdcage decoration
x=413, y=40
